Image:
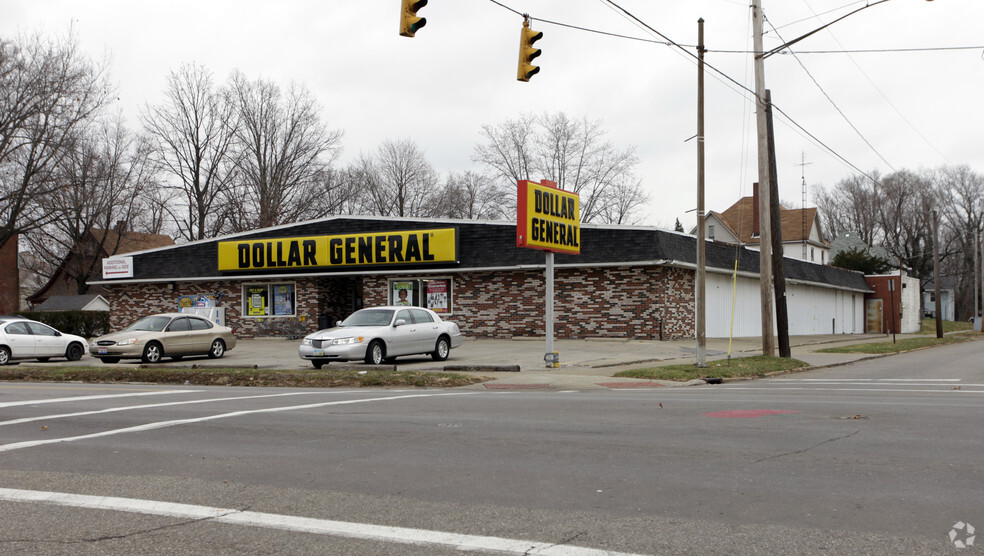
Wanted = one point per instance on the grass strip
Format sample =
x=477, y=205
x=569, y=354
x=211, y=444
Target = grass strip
x=313, y=378
x=755, y=366
x=905, y=344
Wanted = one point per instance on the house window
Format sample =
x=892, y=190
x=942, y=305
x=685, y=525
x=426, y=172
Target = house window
x=269, y=300
x=432, y=293
x=710, y=231
x=822, y=258
x=812, y=254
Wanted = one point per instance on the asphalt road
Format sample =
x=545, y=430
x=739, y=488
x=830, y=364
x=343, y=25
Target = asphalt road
x=881, y=457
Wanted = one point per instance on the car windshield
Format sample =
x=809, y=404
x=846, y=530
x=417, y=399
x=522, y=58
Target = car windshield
x=369, y=317
x=150, y=324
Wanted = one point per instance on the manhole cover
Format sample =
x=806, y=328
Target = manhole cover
x=499, y=386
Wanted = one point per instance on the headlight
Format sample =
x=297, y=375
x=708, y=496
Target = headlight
x=306, y=342
x=126, y=342
x=344, y=341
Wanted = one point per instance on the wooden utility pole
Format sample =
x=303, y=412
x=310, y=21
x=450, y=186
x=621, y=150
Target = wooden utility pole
x=778, y=274
x=765, y=226
x=701, y=247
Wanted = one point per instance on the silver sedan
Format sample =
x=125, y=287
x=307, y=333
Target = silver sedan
x=381, y=334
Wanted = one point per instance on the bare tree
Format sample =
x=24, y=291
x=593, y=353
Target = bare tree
x=850, y=206
x=101, y=180
x=571, y=153
x=472, y=196
x=193, y=132
x=49, y=92
x=961, y=192
x=396, y=181
x=284, y=152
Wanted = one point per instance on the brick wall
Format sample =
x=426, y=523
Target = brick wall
x=623, y=302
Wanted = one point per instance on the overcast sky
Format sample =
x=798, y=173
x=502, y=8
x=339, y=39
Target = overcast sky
x=916, y=109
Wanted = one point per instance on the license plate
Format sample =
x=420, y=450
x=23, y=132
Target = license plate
x=103, y=351
x=319, y=352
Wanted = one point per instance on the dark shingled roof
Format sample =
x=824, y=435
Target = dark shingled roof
x=488, y=245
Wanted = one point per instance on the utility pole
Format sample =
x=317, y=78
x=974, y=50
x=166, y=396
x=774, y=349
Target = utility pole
x=701, y=247
x=765, y=226
x=778, y=275
x=936, y=275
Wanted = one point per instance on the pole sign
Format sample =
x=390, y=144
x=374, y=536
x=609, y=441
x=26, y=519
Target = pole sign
x=548, y=218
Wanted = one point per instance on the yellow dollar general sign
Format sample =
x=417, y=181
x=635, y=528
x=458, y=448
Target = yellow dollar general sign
x=548, y=218
x=410, y=247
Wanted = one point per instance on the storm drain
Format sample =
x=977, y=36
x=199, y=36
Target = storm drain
x=630, y=384
x=499, y=386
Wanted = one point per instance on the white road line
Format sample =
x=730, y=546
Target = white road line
x=949, y=390
x=153, y=405
x=401, y=535
x=875, y=380
x=164, y=424
x=100, y=397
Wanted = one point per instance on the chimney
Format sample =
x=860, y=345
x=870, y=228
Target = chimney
x=755, y=209
x=121, y=226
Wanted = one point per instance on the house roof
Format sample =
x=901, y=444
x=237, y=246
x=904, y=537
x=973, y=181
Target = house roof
x=128, y=242
x=740, y=218
x=71, y=302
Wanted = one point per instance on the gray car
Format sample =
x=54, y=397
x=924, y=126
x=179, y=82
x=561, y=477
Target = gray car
x=173, y=335
x=381, y=334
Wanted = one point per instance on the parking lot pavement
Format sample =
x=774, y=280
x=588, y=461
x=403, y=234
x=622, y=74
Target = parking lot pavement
x=586, y=363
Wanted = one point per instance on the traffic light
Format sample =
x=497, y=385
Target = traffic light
x=409, y=22
x=527, y=53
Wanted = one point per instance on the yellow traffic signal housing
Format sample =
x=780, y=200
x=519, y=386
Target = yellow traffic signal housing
x=409, y=22
x=527, y=53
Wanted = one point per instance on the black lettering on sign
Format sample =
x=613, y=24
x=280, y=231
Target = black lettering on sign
x=413, y=248
x=350, y=250
x=365, y=250
x=294, y=254
x=428, y=256
x=537, y=201
x=243, y=250
x=380, y=250
x=395, y=249
x=310, y=249
x=257, y=255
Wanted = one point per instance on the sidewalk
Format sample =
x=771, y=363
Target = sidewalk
x=584, y=364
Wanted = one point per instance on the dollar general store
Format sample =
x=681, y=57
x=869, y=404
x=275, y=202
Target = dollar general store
x=627, y=281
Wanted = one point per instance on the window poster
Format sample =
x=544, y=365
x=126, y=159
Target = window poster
x=437, y=296
x=256, y=301
x=402, y=293
x=283, y=300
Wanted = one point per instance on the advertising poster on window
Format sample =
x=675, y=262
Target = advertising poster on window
x=256, y=303
x=437, y=296
x=402, y=293
x=283, y=300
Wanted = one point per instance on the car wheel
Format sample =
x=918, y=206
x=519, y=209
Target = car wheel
x=152, y=353
x=43, y=359
x=375, y=353
x=318, y=363
x=442, y=349
x=4, y=355
x=110, y=359
x=217, y=350
x=74, y=352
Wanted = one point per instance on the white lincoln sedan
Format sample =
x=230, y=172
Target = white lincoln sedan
x=381, y=334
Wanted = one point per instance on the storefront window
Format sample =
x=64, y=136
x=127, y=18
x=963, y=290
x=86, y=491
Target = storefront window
x=432, y=293
x=265, y=300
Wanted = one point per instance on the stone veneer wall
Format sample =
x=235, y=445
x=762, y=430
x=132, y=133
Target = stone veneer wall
x=650, y=303
x=615, y=302
x=133, y=301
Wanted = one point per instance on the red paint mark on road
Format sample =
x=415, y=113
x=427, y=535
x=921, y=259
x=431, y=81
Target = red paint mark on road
x=747, y=413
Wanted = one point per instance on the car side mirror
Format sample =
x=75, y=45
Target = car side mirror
x=399, y=322
x=338, y=323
